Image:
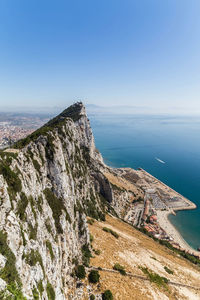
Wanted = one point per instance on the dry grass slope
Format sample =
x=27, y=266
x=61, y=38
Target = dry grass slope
x=135, y=251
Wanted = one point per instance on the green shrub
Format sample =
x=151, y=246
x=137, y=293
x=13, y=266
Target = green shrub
x=48, y=226
x=153, y=257
x=12, y=179
x=154, y=277
x=23, y=236
x=115, y=234
x=9, y=272
x=50, y=292
x=67, y=216
x=90, y=221
x=32, y=203
x=94, y=276
x=57, y=206
x=86, y=255
x=91, y=238
x=36, y=165
x=92, y=297
x=15, y=291
x=119, y=268
x=32, y=231
x=107, y=295
x=97, y=252
x=80, y=272
x=40, y=203
x=35, y=294
x=33, y=257
x=21, y=206
x=91, y=209
x=49, y=149
x=49, y=247
x=102, y=216
x=8, y=157
x=40, y=288
x=168, y=270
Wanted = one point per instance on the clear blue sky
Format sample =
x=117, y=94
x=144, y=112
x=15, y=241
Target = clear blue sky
x=106, y=52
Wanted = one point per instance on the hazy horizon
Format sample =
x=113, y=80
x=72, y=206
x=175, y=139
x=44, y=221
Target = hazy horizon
x=93, y=108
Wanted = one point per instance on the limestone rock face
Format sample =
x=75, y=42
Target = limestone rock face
x=49, y=183
x=46, y=191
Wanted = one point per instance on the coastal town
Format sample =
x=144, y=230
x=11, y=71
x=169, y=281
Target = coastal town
x=10, y=134
x=147, y=202
x=17, y=126
x=152, y=213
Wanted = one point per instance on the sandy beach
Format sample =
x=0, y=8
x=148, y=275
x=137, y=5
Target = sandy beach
x=173, y=232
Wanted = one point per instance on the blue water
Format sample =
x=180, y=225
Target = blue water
x=135, y=140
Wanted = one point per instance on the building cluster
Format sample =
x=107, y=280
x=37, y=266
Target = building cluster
x=152, y=226
x=10, y=134
x=14, y=127
x=150, y=223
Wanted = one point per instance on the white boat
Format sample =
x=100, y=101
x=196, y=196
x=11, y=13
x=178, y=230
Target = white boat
x=161, y=161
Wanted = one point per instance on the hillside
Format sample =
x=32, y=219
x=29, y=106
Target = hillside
x=135, y=252
x=50, y=184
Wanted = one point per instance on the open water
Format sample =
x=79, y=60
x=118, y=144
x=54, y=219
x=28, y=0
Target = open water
x=168, y=147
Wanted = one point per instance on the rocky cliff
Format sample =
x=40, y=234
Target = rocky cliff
x=48, y=185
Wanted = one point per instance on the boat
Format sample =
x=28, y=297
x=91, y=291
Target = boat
x=161, y=161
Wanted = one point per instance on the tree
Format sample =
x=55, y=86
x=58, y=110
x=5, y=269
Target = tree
x=107, y=295
x=80, y=271
x=94, y=276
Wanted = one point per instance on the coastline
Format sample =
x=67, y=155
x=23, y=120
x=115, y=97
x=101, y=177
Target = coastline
x=191, y=205
x=163, y=216
x=151, y=186
x=171, y=230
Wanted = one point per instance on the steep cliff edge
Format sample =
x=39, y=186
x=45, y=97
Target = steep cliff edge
x=47, y=187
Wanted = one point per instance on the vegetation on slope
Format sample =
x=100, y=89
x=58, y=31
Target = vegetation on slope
x=93, y=276
x=9, y=273
x=34, y=257
x=72, y=112
x=80, y=272
x=12, y=179
x=57, y=206
x=86, y=255
x=115, y=234
x=154, y=277
x=119, y=268
x=50, y=292
x=107, y=295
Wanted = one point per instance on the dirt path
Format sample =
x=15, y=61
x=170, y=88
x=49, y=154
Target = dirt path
x=144, y=278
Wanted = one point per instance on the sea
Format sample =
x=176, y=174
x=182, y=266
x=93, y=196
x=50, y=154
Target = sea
x=166, y=146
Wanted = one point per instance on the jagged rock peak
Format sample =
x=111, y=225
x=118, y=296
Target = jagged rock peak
x=74, y=112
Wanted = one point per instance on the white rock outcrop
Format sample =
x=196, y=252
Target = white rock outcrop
x=45, y=192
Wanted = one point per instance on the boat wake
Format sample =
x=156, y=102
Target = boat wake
x=161, y=161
